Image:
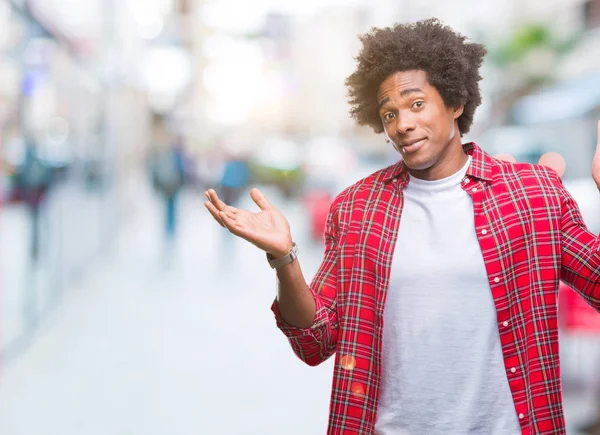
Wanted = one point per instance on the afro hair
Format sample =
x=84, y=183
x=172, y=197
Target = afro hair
x=449, y=61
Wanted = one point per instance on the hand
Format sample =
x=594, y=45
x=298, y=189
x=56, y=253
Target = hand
x=552, y=160
x=268, y=230
x=556, y=162
x=596, y=161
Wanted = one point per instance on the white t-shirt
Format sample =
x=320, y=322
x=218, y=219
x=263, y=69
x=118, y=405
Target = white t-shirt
x=442, y=367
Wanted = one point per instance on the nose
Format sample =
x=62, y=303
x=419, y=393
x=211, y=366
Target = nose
x=405, y=124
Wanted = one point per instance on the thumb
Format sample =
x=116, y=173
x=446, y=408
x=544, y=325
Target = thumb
x=554, y=161
x=260, y=200
x=596, y=161
x=597, y=153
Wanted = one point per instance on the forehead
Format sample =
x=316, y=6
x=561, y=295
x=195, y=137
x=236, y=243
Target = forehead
x=397, y=82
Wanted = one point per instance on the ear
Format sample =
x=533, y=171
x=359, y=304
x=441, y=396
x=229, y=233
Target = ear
x=457, y=112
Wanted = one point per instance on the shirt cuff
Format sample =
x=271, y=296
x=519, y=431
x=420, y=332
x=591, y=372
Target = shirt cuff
x=321, y=318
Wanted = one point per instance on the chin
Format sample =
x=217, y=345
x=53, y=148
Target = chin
x=417, y=164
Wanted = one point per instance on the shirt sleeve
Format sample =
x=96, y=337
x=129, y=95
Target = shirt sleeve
x=580, y=251
x=317, y=343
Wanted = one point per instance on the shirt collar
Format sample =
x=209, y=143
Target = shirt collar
x=481, y=166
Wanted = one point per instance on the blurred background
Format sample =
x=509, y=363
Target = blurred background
x=124, y=309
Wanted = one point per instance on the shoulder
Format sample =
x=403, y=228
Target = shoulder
x=358, y=193
x=527, y=176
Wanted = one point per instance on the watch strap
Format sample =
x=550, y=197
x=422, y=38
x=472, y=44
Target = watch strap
x=286, y=259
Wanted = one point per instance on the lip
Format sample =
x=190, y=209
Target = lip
x=412, y=145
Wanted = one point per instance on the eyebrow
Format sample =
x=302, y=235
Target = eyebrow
x=403, y=93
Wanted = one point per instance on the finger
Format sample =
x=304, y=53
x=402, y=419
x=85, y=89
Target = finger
x=260, y=200
x=230, y=211
x=214, y=199
x=554, y=161
x=214, y=212
x=231, y=224
x=236, y=228
x=506, y=157
x=597, y=154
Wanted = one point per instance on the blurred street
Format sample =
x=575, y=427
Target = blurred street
x=140, y=348
x=124, y=308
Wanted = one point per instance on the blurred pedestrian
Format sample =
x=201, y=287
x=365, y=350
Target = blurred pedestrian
x=592, y=428
x=33, y=179
x=168, y=177
x=235, y=178
x=438, y=289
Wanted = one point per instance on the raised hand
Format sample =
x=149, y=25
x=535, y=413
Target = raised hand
x=268, y=229
x=596, y=160
x=557, y=162
x=552, y=160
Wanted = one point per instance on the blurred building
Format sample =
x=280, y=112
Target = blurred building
x=86, y=86
x=559, y=105
x=80, y=82
x=85, y=79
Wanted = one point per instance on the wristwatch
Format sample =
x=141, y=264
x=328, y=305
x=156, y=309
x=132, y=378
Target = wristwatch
x=286, y=259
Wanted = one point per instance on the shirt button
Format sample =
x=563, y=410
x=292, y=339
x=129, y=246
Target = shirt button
x=521, y=416
x=505, y=324
x=466, y=180
x=484, y=232
x=496, y=280
x=474, y=190
x=513, y=370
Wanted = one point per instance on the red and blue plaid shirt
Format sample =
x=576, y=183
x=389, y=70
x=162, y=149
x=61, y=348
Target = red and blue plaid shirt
x=531, y=235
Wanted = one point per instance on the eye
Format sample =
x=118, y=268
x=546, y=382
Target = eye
x=418, y=104
x=388, y=117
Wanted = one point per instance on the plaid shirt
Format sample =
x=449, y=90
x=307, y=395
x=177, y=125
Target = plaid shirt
x=531, y=235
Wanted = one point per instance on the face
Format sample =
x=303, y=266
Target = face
x=423, y=129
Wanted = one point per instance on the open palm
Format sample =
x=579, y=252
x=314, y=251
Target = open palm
x=267, y=229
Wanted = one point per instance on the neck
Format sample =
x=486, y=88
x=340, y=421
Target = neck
x=450, y=162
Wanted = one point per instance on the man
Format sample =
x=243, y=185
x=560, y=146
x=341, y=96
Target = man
x=438, y=288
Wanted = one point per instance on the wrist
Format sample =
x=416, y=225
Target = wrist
x=274, y=255
x=282, y=260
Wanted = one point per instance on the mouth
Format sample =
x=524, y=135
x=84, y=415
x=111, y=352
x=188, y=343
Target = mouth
x=411, y=146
